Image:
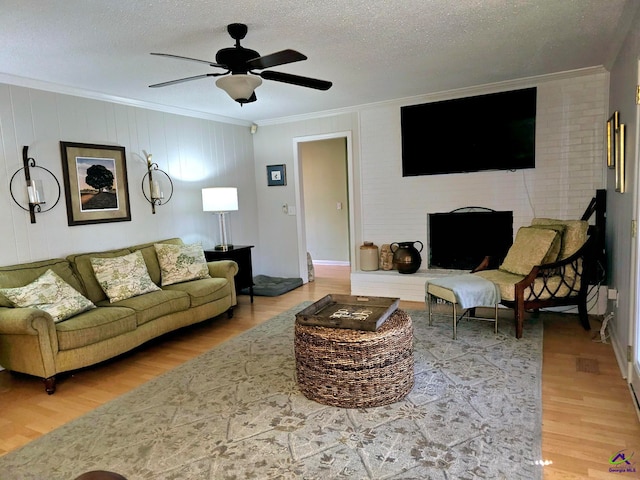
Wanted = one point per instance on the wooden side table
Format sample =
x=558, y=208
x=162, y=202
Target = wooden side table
x=241, y=254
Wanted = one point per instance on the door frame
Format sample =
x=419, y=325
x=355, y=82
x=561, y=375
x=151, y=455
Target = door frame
x=299, y=193
x=633, y=365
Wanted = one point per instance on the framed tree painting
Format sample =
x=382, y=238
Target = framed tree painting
x=95, y=183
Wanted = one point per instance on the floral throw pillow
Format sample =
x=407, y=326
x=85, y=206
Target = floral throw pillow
x=181, y=263
x=123, y=277
x=50, y=293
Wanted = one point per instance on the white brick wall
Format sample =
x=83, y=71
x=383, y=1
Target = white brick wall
x=571, y=114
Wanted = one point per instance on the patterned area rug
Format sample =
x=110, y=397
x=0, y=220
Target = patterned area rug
x=235, y=412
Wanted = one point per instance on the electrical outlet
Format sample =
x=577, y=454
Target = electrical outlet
x=291, y=210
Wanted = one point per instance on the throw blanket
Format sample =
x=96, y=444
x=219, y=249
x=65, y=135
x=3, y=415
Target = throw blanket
x=470, y=290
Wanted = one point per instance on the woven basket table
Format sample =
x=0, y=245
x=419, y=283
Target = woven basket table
x=354, y=368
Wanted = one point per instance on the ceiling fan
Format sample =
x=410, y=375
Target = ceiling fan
x=241, y=78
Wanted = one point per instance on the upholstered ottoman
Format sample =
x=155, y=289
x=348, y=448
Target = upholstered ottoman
x=468, y=291
x=355, y=368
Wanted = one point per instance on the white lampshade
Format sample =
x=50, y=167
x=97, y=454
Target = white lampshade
x=239, y=86
x=219, y=199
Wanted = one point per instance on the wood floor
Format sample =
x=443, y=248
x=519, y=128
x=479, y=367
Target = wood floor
x=588, y=413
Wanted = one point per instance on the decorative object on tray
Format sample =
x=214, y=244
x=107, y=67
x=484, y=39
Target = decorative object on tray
x=347, y=311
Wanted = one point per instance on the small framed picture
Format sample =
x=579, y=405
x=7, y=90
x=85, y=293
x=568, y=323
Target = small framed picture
x=276, y=175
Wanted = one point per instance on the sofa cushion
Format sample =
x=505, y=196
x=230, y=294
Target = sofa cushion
x=574, y=236
x=530, y=248
x=181, y=263
x=81, y=264
x=123, y=277
x=204, y=290
x=51, y=294
x=151, y=259
x=153, y=305
x=95, y=326
x=20, y=275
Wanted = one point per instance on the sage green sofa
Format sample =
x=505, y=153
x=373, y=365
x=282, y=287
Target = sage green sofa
x=32, y=343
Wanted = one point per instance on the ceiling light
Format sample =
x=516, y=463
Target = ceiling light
x=239, y=87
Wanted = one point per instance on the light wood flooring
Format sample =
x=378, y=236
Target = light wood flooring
x=588, y=412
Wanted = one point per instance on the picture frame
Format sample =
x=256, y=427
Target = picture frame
x=613, y=124
x=276, y=175
x=620, y=160
x=95, y=183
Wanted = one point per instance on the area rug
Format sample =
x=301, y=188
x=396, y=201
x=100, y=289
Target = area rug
x=235, y=412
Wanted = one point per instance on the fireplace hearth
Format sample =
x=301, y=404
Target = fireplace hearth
x=461, y=239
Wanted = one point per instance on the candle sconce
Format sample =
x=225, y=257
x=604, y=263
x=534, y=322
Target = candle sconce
x=35, y=198
x=152, y=184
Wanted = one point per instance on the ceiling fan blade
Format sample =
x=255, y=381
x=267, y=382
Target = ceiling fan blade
x=274, y=59
x=187, y=79
x=296, y=80
x=179, y=57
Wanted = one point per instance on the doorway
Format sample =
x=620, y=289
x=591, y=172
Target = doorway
x=322, y=206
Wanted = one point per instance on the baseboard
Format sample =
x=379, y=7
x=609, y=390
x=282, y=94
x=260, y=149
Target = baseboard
x=335, y=263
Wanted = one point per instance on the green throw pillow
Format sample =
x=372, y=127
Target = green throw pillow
x=51, y=294
x=123, y=277
x=529, y=249
x=181, y=263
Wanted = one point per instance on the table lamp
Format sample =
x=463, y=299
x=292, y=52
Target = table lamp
x=221, y=200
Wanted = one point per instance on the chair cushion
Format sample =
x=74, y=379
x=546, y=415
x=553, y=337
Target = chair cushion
x=530, y=248
x=556, y=247
x=506, y=283
x=123, y=277
x=51, y=294
x=181, y=263
x=574, y=236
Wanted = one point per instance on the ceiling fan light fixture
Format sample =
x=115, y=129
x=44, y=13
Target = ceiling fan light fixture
x=239, y=86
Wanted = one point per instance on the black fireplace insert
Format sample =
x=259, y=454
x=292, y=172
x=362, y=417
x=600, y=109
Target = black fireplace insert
x=461, y=239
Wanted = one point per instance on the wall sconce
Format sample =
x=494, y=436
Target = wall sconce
x=35, y=196
x=154, y=185
x=221, y=200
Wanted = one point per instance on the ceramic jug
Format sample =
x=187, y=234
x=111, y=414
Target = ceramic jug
x=406, y=256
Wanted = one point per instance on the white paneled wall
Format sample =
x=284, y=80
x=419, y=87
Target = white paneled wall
x=196, y=153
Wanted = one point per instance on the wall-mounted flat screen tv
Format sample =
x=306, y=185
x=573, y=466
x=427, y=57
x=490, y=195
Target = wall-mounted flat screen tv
x=486, y=132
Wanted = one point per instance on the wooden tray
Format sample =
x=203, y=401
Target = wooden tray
x=347, y=311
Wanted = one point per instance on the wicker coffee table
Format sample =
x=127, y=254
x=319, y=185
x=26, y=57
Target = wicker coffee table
x=355, y=368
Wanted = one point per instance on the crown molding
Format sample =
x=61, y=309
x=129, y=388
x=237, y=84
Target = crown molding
x=443, y=95
x=83, y=93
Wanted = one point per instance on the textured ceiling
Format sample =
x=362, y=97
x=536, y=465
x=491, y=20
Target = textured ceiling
x=372, y=50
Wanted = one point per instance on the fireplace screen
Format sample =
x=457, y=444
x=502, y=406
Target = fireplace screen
x=463, y=238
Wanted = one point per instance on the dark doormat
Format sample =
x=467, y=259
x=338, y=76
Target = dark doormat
x=266, y=286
